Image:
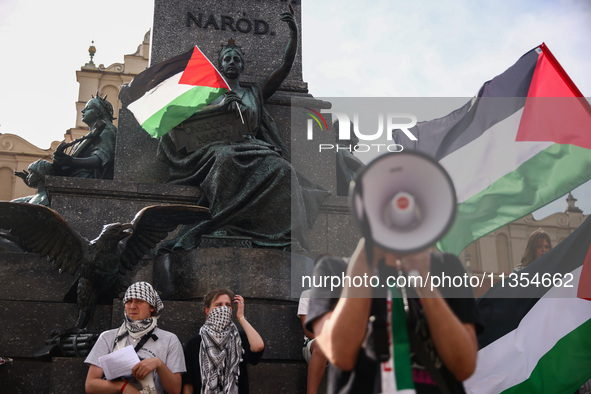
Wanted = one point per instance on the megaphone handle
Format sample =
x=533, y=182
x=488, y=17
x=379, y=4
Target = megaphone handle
x=380, y=331
x=378, y=321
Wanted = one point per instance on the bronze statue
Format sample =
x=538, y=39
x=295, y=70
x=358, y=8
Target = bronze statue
x=101, y=264
x=35, y=178
x=249, y=185
x=91, y=156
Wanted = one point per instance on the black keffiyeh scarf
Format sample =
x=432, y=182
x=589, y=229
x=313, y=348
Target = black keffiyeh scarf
x=220, y=353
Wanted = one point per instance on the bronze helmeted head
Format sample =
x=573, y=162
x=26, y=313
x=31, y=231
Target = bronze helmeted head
x=230, y=47
x=105, y=107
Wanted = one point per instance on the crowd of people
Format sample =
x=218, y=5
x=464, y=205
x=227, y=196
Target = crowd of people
x=335, y=331
x=341, y=334
x=350, y=335
x=338, y=331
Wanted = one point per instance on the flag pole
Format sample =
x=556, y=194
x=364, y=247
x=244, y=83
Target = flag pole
x=240, y=112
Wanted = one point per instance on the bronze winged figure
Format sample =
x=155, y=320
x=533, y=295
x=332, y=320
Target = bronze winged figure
x=102, y=263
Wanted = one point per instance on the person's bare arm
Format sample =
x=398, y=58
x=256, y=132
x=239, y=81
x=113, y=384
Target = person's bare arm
x=254, y=338
x=307, y=332
x=171, y=382
x=340, y=333
x=455, y=341
x=95, y=384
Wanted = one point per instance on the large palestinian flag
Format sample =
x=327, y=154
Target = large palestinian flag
x=537, y=338
x=521, y=143
x=169, y=92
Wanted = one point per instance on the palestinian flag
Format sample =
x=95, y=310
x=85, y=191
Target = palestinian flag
x=538, y=340
x=167, y=93
x=521, y=143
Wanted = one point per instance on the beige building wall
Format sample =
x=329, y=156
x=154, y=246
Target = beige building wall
x=15, y=155
x=107, y=81
x=501, y=250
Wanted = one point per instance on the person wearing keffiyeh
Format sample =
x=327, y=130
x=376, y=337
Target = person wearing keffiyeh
x=162, y=360
x=217, y=357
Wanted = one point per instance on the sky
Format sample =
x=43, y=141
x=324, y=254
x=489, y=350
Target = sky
x=378, y=48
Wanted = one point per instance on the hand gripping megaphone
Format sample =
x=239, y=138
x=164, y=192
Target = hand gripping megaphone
x=403, y=201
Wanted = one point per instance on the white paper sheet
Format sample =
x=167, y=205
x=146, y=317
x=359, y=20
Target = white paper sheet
x=119, y=363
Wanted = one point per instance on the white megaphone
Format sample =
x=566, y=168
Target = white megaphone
x=403, y=201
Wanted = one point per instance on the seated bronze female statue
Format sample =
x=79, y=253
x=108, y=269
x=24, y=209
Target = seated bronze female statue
x=248, y=184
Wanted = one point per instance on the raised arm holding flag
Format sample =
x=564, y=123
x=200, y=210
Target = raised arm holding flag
x=246, y=181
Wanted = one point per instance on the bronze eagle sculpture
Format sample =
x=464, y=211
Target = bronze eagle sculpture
x=101, y=264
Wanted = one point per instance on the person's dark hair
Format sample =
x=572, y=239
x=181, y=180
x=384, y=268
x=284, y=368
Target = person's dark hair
x=530, y=249
x=214, y=294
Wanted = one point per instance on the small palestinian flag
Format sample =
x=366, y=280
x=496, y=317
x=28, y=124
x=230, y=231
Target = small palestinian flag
x=537, y=336
x=521, y=143
x=169, y=92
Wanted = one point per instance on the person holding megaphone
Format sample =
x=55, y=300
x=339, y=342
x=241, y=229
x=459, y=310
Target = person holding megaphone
x=442, y=330
x=410, y=324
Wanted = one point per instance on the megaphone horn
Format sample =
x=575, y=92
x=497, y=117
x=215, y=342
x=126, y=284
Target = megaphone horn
x=403, y=201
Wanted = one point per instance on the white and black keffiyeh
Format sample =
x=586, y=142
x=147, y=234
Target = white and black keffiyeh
x=220, y=353
x=138, y=328
x=144, y=291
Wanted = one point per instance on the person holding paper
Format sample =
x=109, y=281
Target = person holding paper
x=161, y=353
x=217, y=357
